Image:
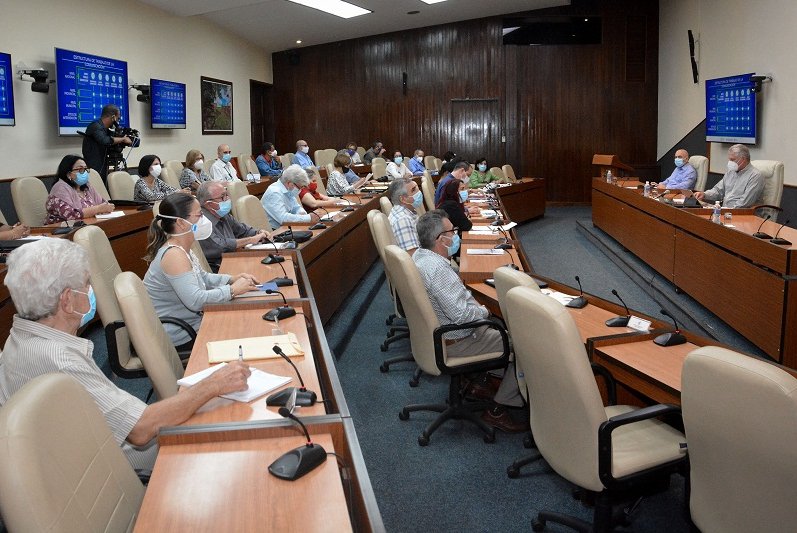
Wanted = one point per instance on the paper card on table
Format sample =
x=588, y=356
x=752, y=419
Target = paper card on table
x=485, y=251
x=268, y=246
x=484, y=229
x=261, y=291
x=508, y=226
x=638, y=324
x=560, y=297
x=487, y=213
x=330, y=215
x=112, y=214
x=259, y=383
x=253, y=348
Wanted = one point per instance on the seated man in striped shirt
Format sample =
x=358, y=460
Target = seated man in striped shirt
x=49, y=284
x=406, y=199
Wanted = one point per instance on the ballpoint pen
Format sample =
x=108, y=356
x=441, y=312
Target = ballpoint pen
x=240, y=353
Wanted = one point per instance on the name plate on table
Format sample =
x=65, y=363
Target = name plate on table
x=638, y=324
x=485, y=251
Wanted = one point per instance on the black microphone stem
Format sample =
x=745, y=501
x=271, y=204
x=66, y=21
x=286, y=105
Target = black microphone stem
x=278, y=351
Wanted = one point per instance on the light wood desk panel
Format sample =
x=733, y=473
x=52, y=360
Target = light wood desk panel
x=476, y=268
x=249, y=262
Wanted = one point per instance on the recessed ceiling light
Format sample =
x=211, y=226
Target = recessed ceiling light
x=432, y=1
x=339, y=8
x=299, y=41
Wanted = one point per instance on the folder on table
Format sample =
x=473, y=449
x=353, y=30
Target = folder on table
x=253, y=348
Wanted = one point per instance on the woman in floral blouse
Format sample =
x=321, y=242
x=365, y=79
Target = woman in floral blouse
x=194, y=172
x=72, y=197
x=150, y=188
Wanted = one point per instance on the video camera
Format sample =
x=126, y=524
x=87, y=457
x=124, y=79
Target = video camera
x=134, y=135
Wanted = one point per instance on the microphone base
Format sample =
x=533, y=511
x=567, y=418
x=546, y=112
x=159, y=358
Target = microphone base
x=282, y=282
x=778, y=240
x=304, y=397
x=347, y=209
x=577, y=303
x=279, y=313
x=761, y=235
x=273, y=259
x=497, y=222
x=618, y=321
x=670, y=339
x=317, y=226
x=503, y=246
x=298, y=462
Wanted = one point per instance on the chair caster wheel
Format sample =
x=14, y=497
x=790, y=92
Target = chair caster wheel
x=423, y=440
x=489, y=439
x=528, y=441
x=383, y=347
x=404, y=415
x=537, y=525
x=413, y=383
x=513, y=472
x=384, y=368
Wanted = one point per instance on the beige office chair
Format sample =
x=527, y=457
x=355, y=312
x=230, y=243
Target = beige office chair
x=330, y=169
x=250, y=211
x=509, y=173
x=321, y=158
x=330, y=154
x=3, y=219
x=247, y=164
x=95, y=180
x=175, y=168
x=427, y=188
x=30, y=200
x=61, y=469
x=498, y=173
x=740, y=414
x=121, y=185
x=319, y=181
x=385, y=206
x=209, y=163
x=196, y=247
x=700, y=163
x=236, y=190
x=287, y=159
x=430, y=163
x=150, y=340
x=772, y=172
x=379, y=160
x=429, y=349
x=361, y=152
x=438, y=163
x=378, y=169
x=605, y=450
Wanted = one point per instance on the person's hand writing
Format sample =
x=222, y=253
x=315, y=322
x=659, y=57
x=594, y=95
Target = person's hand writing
x=231, y=378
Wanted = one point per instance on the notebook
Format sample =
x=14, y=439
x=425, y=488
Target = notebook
x=259, y=383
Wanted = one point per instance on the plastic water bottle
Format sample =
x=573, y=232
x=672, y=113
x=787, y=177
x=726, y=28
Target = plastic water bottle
x=715, y=216
x=608, y=176
x=646, y=190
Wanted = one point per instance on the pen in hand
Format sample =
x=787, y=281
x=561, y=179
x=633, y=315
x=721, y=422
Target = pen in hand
x=240, y=353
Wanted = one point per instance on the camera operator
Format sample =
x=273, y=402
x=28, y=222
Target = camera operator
x=98, y=139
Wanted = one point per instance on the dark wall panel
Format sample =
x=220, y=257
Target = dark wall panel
x=555, y=105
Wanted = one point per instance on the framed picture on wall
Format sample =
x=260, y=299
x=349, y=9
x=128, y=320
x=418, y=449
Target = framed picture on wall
x=216, y=106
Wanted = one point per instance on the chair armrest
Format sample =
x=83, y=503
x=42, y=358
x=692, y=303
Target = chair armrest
x=437, y=337
x=611, y=384
x=606, y=428
x=183, y=325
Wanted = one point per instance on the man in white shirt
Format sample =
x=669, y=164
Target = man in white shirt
x=222, y=169
x=741, y=186
x=281, y=199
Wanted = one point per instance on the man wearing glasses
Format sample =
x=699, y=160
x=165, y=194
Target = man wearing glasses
x=228, y=234
x=454, y=304
x=222, y=169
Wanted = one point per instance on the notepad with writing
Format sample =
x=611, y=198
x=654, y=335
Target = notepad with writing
x=253, y=348
x=258, y=384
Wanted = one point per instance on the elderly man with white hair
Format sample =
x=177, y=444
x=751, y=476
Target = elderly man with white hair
x=741, y=186
x=49, y=284
x=281, y=199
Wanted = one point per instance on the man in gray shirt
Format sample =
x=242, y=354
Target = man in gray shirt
x=741, y=186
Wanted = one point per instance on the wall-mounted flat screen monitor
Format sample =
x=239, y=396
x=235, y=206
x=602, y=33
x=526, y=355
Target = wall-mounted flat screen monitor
x=168, y=104
x=6, y=91
x=730, y=110
x=86, y=83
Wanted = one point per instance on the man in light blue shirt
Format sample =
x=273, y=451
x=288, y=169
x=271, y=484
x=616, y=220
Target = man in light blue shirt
x=302, y=155
x=684, y=176
x=416, y=163
x=281, y=199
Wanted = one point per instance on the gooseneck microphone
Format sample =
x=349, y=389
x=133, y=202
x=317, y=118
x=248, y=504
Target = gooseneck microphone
x=579, y=301
x=304, y=397
x=759, y=234
x=777, y=240
x=619, y=321
x=506, y=245
x=283, y=281
x=299, y=461
x=319, y=224
x=348, y=207
x=673, y=338
x=273, y=258
x=279, y=313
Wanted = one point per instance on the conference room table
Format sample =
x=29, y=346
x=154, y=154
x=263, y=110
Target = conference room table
x=523, y=200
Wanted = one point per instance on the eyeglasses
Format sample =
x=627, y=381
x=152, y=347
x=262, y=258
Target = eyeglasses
x=225, y=197
x=452, y=230
x=227, y=152
x=80, y=169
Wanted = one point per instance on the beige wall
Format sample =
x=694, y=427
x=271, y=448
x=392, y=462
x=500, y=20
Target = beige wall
x=154, y=44
x=736, y=37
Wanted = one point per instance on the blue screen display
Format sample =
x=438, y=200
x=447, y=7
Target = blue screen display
x=6, y=91
x=85, y=84
x=168, y=104
x=730, y=110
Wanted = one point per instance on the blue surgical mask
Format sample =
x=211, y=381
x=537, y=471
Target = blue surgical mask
x=454, y=246
x=226, y=157
x=679, y=162
x=86, y=317
x=82, y=178
x=482, y=167
x=417, y=199
x=398, y=160
x=463, y=196
x=224, y=208
x=351, y=152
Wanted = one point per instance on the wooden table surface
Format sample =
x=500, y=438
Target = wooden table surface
x=236, y=263
x=475, y=268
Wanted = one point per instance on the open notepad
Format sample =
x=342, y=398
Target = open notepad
x=253, y=348
x=259, y=383
x=484, y=251
x=112, y=214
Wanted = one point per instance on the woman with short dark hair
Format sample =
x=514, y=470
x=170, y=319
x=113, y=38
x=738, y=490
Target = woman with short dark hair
x=149, y=187
x=72, y=197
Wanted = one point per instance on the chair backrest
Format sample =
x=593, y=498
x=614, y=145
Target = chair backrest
x=361, y=151
x=429, y=162
x=30, y=200
x=378, y=168
x=319, y=181
x=171, y=173
x=417, y=308
x=320, y=157
x=287, y=159
x=497, y=172
x=121, y=185
x=103, y=269
x=247, y=164
x=427, y=188
x=209, y=163
x=149, y=338
x=562, y=391
x=701, y=168
x=739, y=417
x=378, y=160
x=60, y=467
x=509, y=173
x=385, y=205
x=438, y=163
x=772, y=172
x=330, y=169
x=95, y=180
x=330, y=154
x=250, y=211
x=381, y=231
x=236, y=189
x=2, y=219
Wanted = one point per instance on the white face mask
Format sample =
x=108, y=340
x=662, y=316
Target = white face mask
x=201, y=230
x=199, y=164
x=733, y=166
x=155, y=170
x=419, y=159
x=274, y=153
x=305, y=149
